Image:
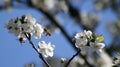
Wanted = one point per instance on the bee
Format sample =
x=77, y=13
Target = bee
x=47, y=32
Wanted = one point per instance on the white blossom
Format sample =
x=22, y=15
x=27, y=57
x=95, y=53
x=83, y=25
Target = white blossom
x=81, y=42
x=26, y=24
x=14, y=27
x=88, y=33
x=29, y=19
x=46, y=49
x=82, y=39
x=97, y=46
x=38, y=30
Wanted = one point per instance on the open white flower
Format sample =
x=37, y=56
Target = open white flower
x=46, y=49
x=14, y=26
x=38, y=30
x=29, y=19
x=28, y=23
x=81, y=41
x=97, y=46
x=84, y=41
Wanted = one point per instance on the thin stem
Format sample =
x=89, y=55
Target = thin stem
x=40, y=55
x=72, y=58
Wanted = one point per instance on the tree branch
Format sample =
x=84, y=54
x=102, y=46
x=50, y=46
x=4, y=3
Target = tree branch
x=40, y=55
x=75, y=13
x=55, y=22
x=72, y=58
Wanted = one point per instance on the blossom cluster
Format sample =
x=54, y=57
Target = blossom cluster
x=26, y=24
x=25, y=27
x=86, y=40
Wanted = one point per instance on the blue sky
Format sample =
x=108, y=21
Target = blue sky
x=13, y=54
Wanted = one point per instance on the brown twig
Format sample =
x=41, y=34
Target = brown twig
x=72, y=57
x=40, y=55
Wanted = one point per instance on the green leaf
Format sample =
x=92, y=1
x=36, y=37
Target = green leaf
x=100, y=38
